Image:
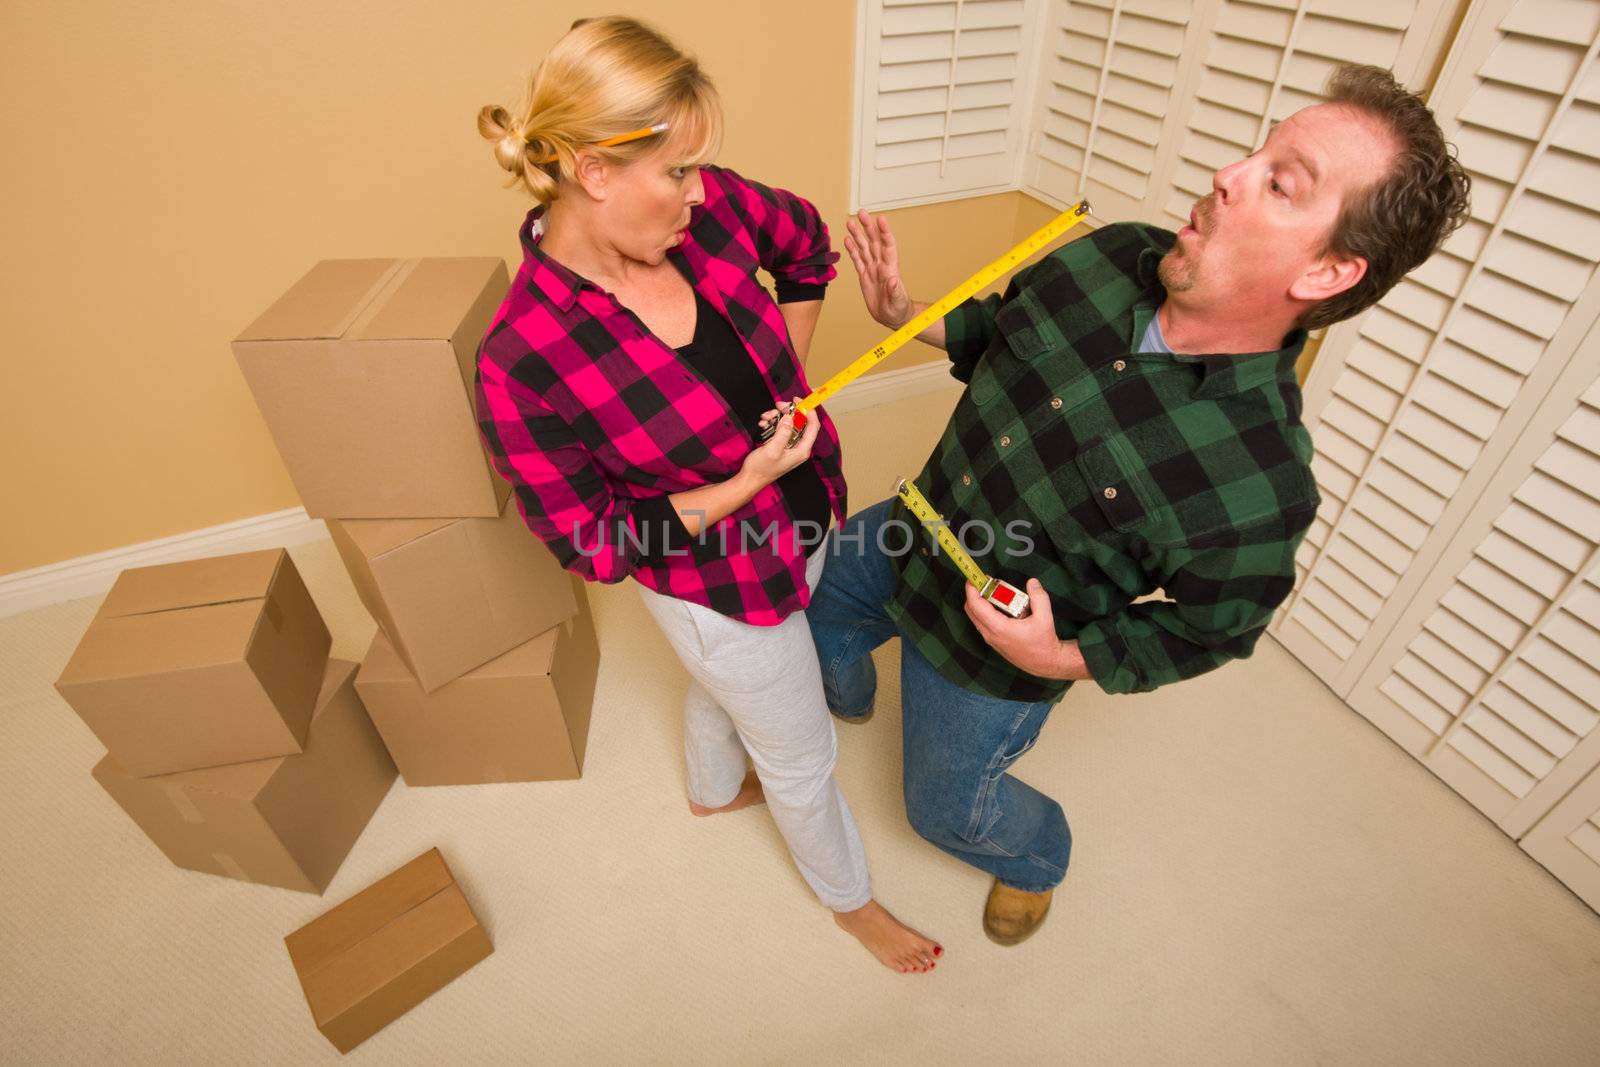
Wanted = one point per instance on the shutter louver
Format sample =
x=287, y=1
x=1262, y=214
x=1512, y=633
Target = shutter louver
x=943, y=84
x=1104, y=107
x=1500, y=681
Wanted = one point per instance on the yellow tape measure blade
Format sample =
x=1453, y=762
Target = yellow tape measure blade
x=937, y=310
x=1002, y=594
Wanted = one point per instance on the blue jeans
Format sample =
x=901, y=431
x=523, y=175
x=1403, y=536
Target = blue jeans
x=958, y=743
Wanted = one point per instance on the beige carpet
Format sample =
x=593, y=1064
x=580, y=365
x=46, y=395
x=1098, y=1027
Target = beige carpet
x=1259, y=877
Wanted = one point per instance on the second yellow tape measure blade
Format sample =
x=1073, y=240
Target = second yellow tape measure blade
x=946, y=304
x=1003, y=595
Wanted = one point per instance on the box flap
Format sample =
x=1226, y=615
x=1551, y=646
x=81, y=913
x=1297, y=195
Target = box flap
x=384, y=665
x=351, y=978
x=429, y=302
x=139, y=645
x=192, y=583
x=323, y=940
x=530, y=657
x=374, y=537
x=324, y=302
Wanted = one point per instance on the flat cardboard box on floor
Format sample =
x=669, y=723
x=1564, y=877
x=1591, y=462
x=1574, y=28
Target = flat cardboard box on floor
x=452, y=594
x=373, y=958
x=363, y=372
x=200, y=663
x=288, y=821
x=521, y=717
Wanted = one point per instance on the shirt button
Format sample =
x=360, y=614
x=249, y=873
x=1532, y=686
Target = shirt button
x=923, y=550
x=1055, y=402
x=1120, y=365
x=1004, y=441
x=966, y=479
x=1111, y=492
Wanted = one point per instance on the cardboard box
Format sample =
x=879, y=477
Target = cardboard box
x=521, y=717
x=363, y=371
x=288, y=821
x=386, y=950
x=452, y=594
x=201, y=663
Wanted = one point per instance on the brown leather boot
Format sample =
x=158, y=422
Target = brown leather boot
x=1011, y=915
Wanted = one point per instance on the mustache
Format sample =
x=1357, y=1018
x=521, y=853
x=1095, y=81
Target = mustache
x=1205, y=215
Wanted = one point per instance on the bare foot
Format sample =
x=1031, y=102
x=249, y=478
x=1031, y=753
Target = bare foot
x=896, y=945
x=749, y=793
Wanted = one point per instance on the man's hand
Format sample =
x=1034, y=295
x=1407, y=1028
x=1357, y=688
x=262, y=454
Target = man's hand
x=1030, y=643
x=872, y=250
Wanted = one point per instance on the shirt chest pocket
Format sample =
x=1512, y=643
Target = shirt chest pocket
x=1094, y=495
x=1115, y=483
x=1024, y=332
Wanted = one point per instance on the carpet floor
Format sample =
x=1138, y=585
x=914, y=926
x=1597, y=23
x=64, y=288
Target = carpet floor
x=1259, y=876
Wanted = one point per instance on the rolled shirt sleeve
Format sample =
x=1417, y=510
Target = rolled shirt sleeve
x=791, y=240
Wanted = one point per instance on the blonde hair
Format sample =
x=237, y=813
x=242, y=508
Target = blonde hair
x=605, y=77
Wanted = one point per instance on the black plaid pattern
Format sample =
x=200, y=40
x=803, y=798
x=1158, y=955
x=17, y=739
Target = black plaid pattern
x=590, y=417
x=1129, y=472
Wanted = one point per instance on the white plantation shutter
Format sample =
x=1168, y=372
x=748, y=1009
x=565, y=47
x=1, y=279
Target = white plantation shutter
x=1449, y=588
x=1492, y=679
x=940, y=101
x=1265, y=59
x=1414, y=405
x=1567, y=840
x=1104, y=115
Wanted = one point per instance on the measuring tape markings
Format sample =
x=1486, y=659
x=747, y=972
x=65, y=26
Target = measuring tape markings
x=1002, y=594
x=934, y=312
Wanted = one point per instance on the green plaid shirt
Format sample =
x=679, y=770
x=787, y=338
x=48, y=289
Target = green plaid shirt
x=1108, y=474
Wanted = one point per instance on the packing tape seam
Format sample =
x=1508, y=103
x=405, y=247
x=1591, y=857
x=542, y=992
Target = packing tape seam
x=231, y=865
x=379, y=298
x=365, y=299
x=180, y=800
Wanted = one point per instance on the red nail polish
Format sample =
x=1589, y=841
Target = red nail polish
x=938, y=950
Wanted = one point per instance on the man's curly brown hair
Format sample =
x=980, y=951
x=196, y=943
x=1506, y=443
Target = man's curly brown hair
x=1401, y=219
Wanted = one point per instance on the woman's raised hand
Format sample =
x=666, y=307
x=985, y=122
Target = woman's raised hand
x=772, y=459
x=872, y=250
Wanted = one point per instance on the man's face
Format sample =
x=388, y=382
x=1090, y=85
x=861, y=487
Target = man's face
x=1267, y=220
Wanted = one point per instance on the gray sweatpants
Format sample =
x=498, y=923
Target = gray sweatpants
x=757, y=690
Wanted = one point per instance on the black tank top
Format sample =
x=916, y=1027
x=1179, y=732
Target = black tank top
x=720, y=357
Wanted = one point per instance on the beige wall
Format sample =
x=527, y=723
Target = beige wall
x=172, y=168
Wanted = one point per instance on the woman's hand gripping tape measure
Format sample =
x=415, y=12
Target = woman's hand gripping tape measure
x=1003, y=595
x=934, y=312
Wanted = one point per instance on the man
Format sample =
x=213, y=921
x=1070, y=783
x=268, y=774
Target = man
x=1132, y=423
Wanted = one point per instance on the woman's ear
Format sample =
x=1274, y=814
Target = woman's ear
x=592, y=173
x=1332, y=276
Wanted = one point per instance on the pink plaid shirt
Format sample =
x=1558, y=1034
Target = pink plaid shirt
x=588, y=415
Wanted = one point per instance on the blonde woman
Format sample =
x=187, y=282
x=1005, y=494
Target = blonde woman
x=622, y=388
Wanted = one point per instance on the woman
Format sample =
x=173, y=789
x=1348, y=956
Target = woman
x=620, y=389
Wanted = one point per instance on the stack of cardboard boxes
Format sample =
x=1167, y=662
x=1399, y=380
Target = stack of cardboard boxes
x=233, y=740
x=484, y=664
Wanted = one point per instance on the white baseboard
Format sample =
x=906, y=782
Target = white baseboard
x=93, y=575
x=890, y=385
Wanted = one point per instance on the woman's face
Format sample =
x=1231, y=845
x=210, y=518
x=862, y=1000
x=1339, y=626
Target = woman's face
x=647, y=207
